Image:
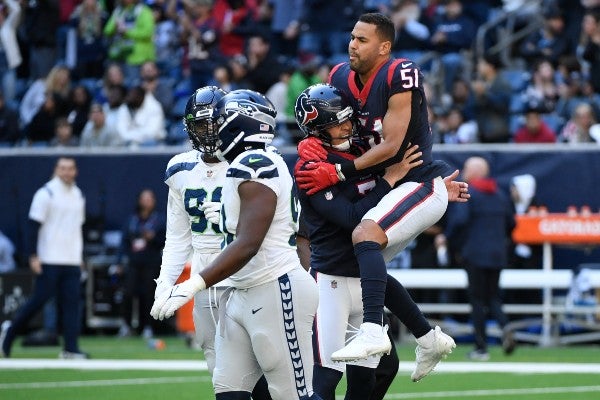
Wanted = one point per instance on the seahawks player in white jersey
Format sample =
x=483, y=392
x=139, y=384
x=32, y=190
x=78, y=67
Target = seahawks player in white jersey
x=195, y=179
x=266, y=326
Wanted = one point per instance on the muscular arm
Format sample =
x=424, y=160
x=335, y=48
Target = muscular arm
x=395, y=125
x=257, y=208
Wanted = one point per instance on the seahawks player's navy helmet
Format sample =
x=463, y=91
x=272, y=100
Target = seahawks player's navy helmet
x=322, y=106
x=199, y=119
x=246, y=120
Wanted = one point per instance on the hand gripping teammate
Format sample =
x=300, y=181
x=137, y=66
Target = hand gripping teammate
x=195, y=179
x=328, y=218
x=266, y=325
x=390, y=103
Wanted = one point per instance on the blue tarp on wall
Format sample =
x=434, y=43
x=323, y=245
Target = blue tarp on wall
x=566, y=176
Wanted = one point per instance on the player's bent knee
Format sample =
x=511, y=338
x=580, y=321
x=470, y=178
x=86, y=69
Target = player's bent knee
x=369, y=230
x=265, y=354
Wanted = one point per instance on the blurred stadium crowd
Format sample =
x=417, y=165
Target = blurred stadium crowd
x=118, y=73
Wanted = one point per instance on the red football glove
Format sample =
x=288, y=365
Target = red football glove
x=311, y=149
x=316, y=177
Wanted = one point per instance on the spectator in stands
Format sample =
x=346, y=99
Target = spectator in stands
x=10, y=54
x=263, y=67
x=55, y=254
x=113, y=76
x=9, y=125
x=236, y=20
x=277, y=93
x=590, y=46
x=116, y=97
x=239, y=69
x=455, y=130
x=130, y=29
x=139, y=259
x=543, y=88
x=89, y=19
x=140, y=120
x=161, y=88
x=325, y=28
x=41, y=24
x=223, y=78
x=549, y=41
x=78, y=110
x=492, y=100
x=535, y=129
x=7, y=254
x=285, y=26
x=452, y=33
x=57, y=82
x=40, y=130
x=463, y=98
x=307, y=74
x=573, y=87
x=200, y=38
x=63, y=134
x=97, y=133
x=412, y=30
x=167, y=41
x=577, y=129
x=484, y=224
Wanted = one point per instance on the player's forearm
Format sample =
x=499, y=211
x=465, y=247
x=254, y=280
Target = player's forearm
x=235, y=256
x=375, y=158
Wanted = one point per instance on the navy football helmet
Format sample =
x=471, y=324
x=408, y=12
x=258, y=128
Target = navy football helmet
x=322, y=106
x=246, y=120
x=199, y=118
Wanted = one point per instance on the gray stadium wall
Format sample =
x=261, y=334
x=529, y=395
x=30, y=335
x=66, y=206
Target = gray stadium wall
x=111, y=179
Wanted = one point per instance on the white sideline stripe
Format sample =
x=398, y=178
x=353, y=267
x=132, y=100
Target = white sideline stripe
x=193, y=365
x=150, y=365
x=104, y=382
x=494, y=392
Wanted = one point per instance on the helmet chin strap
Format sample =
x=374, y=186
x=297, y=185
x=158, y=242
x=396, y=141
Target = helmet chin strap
x=345, y=146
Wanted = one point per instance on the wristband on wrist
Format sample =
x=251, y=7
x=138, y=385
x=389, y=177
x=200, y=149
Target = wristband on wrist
x=347, y=168
x=198, y=282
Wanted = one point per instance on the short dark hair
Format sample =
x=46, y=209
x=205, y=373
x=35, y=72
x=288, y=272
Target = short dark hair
x=384, y=25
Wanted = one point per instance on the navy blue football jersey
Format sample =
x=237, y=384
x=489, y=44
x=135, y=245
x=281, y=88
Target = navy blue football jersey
x=370, y=101
x=328, y=218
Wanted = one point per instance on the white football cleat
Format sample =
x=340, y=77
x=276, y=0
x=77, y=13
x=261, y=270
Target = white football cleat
x=430, y=353
x=371, y=340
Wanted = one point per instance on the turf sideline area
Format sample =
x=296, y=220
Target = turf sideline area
x=193, y=365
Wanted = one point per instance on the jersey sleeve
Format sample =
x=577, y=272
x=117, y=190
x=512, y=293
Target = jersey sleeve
x=256, y=167
x=39, y=206
x=404, y=76
x=178, y=242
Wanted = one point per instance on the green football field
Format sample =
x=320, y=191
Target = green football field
x=127, y=369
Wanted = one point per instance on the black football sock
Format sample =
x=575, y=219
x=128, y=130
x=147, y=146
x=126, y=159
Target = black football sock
x=373, y=279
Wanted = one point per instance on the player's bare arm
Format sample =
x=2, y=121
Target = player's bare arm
x=395, y=125
x=397, y=171
x=257, y=209
x=258, y=204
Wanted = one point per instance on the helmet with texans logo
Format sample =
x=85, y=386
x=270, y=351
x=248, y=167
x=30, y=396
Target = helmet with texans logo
x=246, y=120
x=199, y=118
x=320, y=107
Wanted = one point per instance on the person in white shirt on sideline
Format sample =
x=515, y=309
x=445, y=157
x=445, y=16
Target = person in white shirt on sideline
x=56, y=218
